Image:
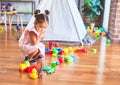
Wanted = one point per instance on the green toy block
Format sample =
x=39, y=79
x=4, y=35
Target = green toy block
x=50, y=71
x=53, y=65
x=46, y=68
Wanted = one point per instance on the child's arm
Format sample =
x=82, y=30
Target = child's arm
x=33, y=38
x=42, y=36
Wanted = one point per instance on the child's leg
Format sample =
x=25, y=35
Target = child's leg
x=38, y=56
x=40, y=65
x=33, y=54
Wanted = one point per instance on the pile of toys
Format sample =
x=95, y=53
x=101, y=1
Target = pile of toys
x=8, y=9
x=17, y=29
x=62, y=55
x=32, y=70
x=26, y=67
x=100, y=31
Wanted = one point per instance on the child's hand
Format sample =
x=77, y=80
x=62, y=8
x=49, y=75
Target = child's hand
x=42, y=36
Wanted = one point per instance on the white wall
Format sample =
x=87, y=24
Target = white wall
x=106, y=14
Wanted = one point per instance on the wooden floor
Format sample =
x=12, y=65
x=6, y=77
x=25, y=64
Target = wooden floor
x=101, y=68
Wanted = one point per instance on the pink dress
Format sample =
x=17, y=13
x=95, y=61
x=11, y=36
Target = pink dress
x=27, y=47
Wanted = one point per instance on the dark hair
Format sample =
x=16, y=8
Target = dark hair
x=41, y=17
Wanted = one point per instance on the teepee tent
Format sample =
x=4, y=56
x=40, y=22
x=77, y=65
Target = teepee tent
x=65, y=23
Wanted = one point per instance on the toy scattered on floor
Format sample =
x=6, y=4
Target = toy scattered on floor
x=1, y=29
x=61, y=60
x=50, y=45
x=65, y=50
x=57, y=51
x=54, y=52
x=73, y=58
x=108, y=41
x=61, y=54
x=34, y=74
x=94, y=50
x=48, y=69
x=31, y=69
x=56, y=44
x=22, y=67
x=80, y=50
x=68, y=59
x=99, y=31
x=53, y=65
x=18, y=27
x=16, y=30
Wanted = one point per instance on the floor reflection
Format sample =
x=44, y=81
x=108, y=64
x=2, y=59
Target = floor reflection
x=101, y=63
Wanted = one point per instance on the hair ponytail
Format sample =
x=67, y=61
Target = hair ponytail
x=47, y=12
x=36, y=12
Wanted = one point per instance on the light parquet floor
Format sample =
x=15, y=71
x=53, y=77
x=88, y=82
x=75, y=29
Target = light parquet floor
x=101, y=68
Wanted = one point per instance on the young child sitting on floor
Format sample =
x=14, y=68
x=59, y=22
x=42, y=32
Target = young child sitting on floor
x=30, y=43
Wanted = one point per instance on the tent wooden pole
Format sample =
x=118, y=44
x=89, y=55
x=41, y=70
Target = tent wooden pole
x=79, y=5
